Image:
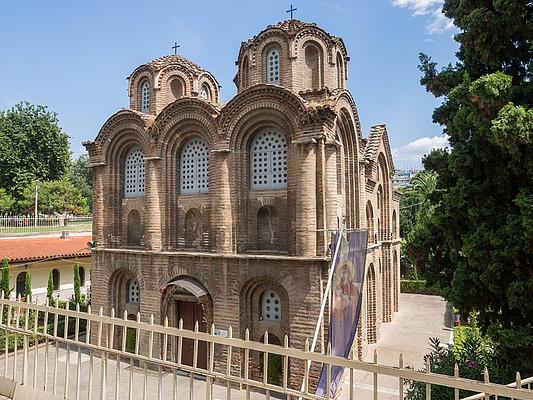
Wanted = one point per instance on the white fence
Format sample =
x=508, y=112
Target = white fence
x=20, y=224
x=105, y=363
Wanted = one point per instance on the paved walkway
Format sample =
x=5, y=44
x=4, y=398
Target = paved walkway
x=420, y=317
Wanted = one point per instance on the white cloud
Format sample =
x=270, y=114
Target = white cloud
x=432, y=9
x=411, y=154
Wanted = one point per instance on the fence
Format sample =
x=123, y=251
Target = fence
x=109, y=361
x=21, y=224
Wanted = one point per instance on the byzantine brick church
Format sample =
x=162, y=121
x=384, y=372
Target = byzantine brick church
x=234, y=203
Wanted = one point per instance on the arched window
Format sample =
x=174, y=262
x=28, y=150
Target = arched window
x=133, y=291
x=394, y=223
x=244, y=73
x=194, y=163
x=370, y=222
x=176, y=87
x=312, y=61
x=270, y=306
x=21, y=280
x=134, y=228
x=82, y=276
x=268, y=160
x=272, y=66
x=134, y=173
x=145, y=97
x=205, y=93
x=340, y=72
x=55, y=279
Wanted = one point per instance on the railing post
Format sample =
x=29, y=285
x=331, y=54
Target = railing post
x=428, y=385
x=400, y=380
x=375, y=376
x=456, y=376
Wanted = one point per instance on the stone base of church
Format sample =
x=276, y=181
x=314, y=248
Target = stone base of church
x=233, y=285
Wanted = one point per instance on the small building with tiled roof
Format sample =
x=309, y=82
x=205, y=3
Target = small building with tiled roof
x=41, y=254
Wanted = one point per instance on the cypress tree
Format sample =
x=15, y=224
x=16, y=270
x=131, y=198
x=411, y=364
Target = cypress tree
x=77, y=283
x=27, y=286
x=50, y=288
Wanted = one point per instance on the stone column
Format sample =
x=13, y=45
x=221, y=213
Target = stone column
x=305, y=207
x=332, y=182
x=152, y=214
x=220, y=196
x=98, y=205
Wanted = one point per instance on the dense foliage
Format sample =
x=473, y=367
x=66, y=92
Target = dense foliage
x=418, y=286
x=472, y=353
x=76, y=296
x=80, y=176
x=32, y=147
x=478, y=244
x=54, y=197
x=4, y=281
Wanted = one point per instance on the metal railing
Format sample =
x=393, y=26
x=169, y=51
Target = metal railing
x=123, y=359
x=23, y=224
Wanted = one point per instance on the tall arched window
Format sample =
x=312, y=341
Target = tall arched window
x=312, y=61
x=145, y=97
x=133, y=291
x=340, y=72
x=194, y=163
x=244, y=73
x=370, y=222
x=394, y=223
x=273, y=66
x=55, y=279
x=134, y=173
x=205, y=93
x=268, y=160
x=270, y=306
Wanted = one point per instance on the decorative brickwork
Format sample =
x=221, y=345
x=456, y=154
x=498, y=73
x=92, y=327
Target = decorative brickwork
x=242, y=198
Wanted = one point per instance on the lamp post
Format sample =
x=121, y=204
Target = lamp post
x=36, y=201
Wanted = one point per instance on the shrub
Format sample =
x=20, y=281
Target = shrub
x=418, y=287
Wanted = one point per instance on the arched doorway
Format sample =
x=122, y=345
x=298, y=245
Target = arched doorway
x=186, y=299
x=371, y=303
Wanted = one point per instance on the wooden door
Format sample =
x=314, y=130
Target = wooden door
x=190, y=312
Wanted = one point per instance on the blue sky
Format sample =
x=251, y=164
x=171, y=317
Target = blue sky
x=74, y=56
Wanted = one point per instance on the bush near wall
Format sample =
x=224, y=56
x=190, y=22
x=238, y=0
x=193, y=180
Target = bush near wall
x=418, y=287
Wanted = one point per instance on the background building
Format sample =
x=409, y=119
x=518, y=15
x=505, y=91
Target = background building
x=42, y=254
x=234, y=205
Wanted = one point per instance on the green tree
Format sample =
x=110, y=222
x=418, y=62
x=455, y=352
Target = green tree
x=6, y=202
x=415, y=212
x=50, y=288
x=479, y=243
x=32, y=147
x=80, y=176
x=27, y=286
x=54, y=197
x=76, y=297
x=4, y=281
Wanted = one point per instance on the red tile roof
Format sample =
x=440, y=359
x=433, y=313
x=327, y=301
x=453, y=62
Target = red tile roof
x=41, y=248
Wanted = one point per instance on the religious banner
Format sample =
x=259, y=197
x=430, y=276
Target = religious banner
x=346, y=292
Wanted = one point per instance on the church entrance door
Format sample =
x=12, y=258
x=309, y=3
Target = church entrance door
x=190, y=312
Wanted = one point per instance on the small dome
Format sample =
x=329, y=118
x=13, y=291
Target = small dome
x=156, y=84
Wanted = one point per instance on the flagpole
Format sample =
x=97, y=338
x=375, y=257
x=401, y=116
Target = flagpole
x=325, y=298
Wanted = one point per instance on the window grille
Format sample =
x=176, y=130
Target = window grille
x=270, y=306
x=133, y=291
x=273, y=68
x=205, y=93
x=268, y=160
x=134, y=173
x=145, y=97
x=194, y=167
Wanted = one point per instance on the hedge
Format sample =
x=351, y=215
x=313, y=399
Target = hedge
x=418, y=287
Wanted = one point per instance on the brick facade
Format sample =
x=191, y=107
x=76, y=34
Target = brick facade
x=233, y=241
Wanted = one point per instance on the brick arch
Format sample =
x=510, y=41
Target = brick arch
x=371, y=303
x=141, y=73
x=266, y=100
x=118, y=279
x=316, y=34
x=386, y=200
x=168, y=73
x=344, y=100
x=181, y=271
x=249, y=298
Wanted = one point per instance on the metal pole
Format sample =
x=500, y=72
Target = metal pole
x=36, y=201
